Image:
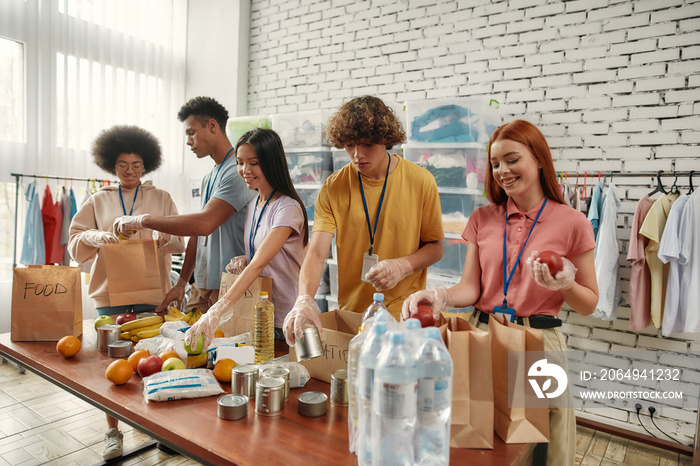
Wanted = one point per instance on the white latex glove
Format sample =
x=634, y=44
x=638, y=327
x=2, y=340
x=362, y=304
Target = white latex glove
x=161, y=238
x=97, y=238
x=237, y=265
x=438, y=298
x=206, y=325
x=384, y=275
x=304, y=310
x=126, y=226
x=564, y=279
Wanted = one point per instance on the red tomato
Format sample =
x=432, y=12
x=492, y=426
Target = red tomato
x=553, y=260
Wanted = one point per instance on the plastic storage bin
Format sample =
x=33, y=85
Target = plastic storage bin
x=332, y=302
x=301, y=129
x=309, y=166
x=461, y=120
x=236, y=127
x=456, y=209
x=308, y=195
x=333, y=276
x=340, y=159
x=457, y=166
x=452, y=262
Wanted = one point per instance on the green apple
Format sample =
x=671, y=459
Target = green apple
x=198, y=348
x=103, y=320
x=172, y=364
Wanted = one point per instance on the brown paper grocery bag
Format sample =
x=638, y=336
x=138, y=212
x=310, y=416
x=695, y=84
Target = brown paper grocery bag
x=520, y=417
x=133, y=273
x=46, y=303
x=472, y=392
x=242, y=319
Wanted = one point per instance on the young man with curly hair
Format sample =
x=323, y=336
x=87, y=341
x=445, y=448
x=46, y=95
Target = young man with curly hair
x=384, y=210
x=216, y=233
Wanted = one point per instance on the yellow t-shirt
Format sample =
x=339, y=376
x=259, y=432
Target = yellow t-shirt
x=410, y=215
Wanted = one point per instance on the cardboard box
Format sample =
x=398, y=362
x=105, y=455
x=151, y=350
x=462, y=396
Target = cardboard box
x=339, y=327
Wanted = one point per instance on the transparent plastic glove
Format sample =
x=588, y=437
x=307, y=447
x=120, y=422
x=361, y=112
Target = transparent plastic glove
x=563, y=280
x=206, y=325
x=161, y=238
x=304, y=310
x=97, y=238
x=237, y=264
x=384, y=275
x=438, y=298
x=126, y=226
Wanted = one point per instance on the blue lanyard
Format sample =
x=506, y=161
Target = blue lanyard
x=209, y=189
x=379, y=208
x=506, y=283
x=133, y=203
x=254, y=231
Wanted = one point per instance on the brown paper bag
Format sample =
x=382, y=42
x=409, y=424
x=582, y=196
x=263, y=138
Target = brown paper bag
x=472, y=392
x=133, y=273
x=46, y=303
x=244, y=309
x=520, y=417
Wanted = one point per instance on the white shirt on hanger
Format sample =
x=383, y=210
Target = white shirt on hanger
x=606, y=258
x=669, y=253
x=690, y=262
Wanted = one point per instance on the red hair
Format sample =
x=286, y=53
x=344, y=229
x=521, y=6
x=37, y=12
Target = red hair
x=530, y=136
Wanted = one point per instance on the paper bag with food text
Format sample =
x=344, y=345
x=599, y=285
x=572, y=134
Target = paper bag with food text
x=133, y=273
x=47, y=303
x=520, y=417
x=472, y=393
x=243, y=319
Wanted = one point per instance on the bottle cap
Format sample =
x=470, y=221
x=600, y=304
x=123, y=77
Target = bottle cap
x=412, y=324
x=432, y=333
x=398, y=337
x=378, y=296
x=263, y=294
x=380, y=327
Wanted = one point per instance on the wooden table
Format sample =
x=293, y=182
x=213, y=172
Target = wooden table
x=192, y=427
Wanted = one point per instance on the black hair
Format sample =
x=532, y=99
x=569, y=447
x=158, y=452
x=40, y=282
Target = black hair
x=273, y=163
x=124, y=139
x=204, y=109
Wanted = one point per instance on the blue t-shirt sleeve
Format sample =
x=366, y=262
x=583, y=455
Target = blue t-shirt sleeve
x=231, y=188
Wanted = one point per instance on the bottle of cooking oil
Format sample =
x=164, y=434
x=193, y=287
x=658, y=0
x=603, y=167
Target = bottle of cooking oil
x=264, y=338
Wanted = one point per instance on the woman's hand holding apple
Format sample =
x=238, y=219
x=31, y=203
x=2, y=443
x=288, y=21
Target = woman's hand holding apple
x=541, y=265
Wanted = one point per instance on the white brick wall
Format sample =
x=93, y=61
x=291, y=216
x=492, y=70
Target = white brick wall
x=613, y=84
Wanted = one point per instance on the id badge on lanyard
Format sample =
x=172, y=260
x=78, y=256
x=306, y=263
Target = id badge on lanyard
x=368, y=260
x=507, y=312
x=203, y=240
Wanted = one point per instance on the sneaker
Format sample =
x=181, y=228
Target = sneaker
x=114, y=444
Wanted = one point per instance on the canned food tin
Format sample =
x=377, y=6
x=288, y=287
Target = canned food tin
x=144, y=314
x=107, y=334
x=312, y=404
x=119, y=349
x=339, y=387
x=269, y=396
x=309, y=345
x=243, y=378
x=232, y=407
x=282, y=373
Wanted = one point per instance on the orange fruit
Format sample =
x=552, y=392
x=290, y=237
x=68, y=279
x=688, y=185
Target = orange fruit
x=119, y=372
x=68, y=346
x=136, y=356
x=165, y=355
x=218, y=333
x=223, y=368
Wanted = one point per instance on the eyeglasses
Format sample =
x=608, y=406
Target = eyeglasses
x=136, y=166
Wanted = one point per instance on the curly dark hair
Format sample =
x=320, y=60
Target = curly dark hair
x=124, y=139
x=204, y=108
x=365, y=119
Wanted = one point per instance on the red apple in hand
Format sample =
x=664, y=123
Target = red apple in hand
x=553, y=261
x=149, y=365
x=425, y=314
x=124, y=318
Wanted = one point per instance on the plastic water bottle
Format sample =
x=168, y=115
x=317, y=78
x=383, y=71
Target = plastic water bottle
x=394, y=404
x=377, y=306
x=368, y=361
x=434, y=368
x=414, y=335
x=264, y=327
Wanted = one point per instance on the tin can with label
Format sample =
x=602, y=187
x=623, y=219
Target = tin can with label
x=309, y=346
x=232, y=407
x=269, y=396
x=339, y=387
x=243, y=380
x=312, y=404
x=282, y=373
x=107, y=334
x=119, y=349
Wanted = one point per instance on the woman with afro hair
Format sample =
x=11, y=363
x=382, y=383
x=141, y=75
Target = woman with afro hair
x=128, y=152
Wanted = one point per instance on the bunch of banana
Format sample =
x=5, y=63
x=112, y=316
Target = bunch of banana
x=141, y=328
x=190, y=318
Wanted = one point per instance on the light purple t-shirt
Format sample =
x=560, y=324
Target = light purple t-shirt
x=284, y=267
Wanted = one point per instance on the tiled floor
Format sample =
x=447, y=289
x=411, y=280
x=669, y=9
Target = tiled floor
x=42, y=424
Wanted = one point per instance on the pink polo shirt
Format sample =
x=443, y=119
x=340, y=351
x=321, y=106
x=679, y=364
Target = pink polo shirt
x=560, y=228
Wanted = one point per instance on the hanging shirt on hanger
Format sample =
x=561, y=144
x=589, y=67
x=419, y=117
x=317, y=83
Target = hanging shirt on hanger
x=606, y=257
x=640, y=279
x=67, y=210
x=669, y=253
x=572, y=196
x=33, y=249
x=653, y=227
x=57, y=251
x=595, y=208
x=690, y=262
x=48, y=218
